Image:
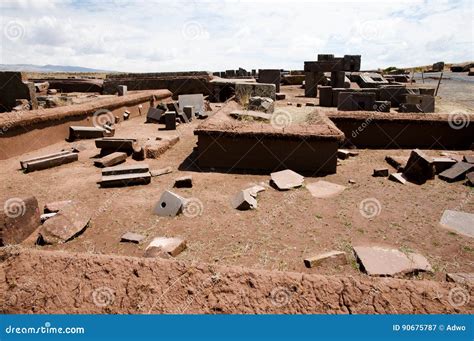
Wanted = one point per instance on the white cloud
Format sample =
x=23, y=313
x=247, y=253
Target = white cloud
x=151, y=36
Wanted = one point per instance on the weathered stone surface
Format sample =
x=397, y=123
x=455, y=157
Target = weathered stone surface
x=398, y=177
x=14, y=85
x=460, y=222
x=264, y=104
x=419, y=167
x=382, y=261
x=126, y=179
x=111, y=159
x=270, y=76
x=333, y=258
x=171, y=246
x=324, y=189
x=247, y=90
x=126, y=169
x=68, y=223
x=457, y=172
x=169, y=205
x=443, y=163
x=184, y=182
x=380, y=172
x=460, y=277
x=286, y=179
x=18, y=219
x=56, y=206
x=244, y=201
x=131, y=237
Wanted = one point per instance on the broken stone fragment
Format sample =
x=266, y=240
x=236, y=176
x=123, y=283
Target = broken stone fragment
x=286, y=179
x=419, y=167
x=170, y=246
x=459, y=222
x=264, y=104
x=383, y=261
x=169, y=205
x=470, y=179
x=333, y=258
x=68, y=223
x=254, y=190
x=184, y=182
x=397, y=162
x=380, y=172
x=324, y=189
x=244, y=201
x=280, y=96
x=131, y=237
x=398, y=177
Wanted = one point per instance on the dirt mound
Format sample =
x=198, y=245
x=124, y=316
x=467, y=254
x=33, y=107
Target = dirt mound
x=60, y=282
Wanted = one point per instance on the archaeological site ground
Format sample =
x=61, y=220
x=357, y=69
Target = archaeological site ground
x=327, y=189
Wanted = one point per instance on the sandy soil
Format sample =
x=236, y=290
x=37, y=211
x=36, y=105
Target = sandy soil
x=286, y=227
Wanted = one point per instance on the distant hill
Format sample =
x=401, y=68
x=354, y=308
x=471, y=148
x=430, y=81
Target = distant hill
x=46, y=68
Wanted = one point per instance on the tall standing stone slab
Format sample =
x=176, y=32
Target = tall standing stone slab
x=270, y=76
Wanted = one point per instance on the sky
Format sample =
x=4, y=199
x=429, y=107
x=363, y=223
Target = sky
x=156, y=35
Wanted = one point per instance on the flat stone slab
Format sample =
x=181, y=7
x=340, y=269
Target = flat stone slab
x=111, y=159
x=398, y=177
x=116, y=144
x=457, y=172
x=169, y=205
x=244, y=201
x=382, y=261
x=171, y=246
x=132, y=237
x=332, y=257
x=324, y=189
x=68, y=223
x=468, y=158
x=81, y=132
x=460, y=222
x=130, y=179
x=286, y=179
x=443, y=163
x=128, y=169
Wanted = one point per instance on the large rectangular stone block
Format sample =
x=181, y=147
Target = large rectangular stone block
x=270, y=76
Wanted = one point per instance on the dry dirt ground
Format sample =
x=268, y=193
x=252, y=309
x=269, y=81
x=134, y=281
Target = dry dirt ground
x=286, y=226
